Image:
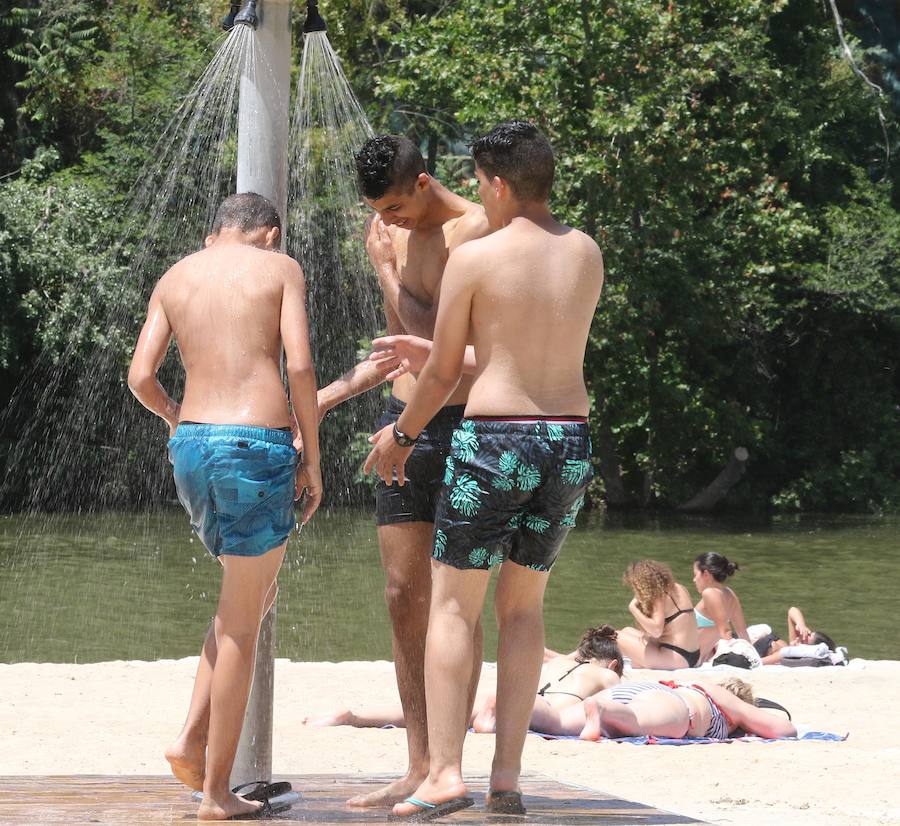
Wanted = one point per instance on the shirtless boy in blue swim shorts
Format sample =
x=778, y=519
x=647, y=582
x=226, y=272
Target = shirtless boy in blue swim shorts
x=524, y=297
x=232, y=308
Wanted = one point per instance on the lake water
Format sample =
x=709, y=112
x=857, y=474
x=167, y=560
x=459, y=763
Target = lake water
x=139, y=586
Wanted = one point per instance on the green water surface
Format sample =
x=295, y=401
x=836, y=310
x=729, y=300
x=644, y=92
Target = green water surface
x=139, y=586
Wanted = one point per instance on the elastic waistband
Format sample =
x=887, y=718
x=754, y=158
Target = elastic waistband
x=272, y=435
x=453, y=412
x=531, y=419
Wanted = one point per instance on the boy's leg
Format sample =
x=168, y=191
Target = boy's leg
x=406, y=559
x=245, y=586
x=457, y=597
x=187, y=755
x=519, y=604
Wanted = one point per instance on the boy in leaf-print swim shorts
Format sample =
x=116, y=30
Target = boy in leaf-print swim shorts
x=512, y=491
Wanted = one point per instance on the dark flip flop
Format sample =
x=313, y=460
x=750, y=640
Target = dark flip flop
x=262, y=791
x=504, y=803
x=431, y=811
x=264, y=811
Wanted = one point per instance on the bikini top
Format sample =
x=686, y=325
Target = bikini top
x=703, y=622
x=678, y=613
x=543, y=690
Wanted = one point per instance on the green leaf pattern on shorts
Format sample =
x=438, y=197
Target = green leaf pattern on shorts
x=536, y=523
x=494, y=559
x=555, y=432
x=508, y=462
x=503, y=483
x=536, y=566
x=568, y=521
x=465, y=495
x=440, y=543
x=465, y=441
x=528, y=477
x=478, y=557
x=517, y=520
x=575, y=470
x=448, y=472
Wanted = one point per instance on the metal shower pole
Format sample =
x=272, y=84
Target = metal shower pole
x=263, y=124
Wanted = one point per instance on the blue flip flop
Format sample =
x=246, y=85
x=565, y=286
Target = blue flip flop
x=431, y=811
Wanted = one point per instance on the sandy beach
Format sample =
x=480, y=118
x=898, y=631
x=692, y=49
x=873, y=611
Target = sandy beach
x=117, y=717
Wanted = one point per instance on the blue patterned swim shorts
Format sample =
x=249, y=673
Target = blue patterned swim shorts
x=512, y=491
x=237, y=484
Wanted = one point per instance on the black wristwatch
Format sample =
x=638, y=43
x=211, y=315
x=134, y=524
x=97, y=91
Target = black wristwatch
x=402, y=439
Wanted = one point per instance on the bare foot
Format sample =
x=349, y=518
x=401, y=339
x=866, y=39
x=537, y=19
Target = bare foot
x=593, y=723
x=339, y=718
x=388, y=795
x=485, y=721
x=429, y=792
x=226, y=806
x=188, y=762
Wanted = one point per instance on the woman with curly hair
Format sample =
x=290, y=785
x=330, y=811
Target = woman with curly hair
x=666, y=637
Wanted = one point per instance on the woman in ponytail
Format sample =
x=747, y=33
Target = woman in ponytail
x=719, y=613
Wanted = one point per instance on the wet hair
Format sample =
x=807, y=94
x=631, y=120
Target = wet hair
x=600, y=644
x=518, y=153
x=819, y=637
x=245, y=211
x=388, y=162
x=742, y=690
x=718, y=565
x=650, y=581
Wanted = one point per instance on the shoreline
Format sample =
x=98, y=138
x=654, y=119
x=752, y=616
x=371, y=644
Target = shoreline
x=117, y=717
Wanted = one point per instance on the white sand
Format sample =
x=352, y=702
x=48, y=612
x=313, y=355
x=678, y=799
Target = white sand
x=116, y=718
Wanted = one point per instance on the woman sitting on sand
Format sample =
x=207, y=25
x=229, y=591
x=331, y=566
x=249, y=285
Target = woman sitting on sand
x=565, y=681
x=770, y=646
x=701, y=709
x=718, y=614
x=663, y=609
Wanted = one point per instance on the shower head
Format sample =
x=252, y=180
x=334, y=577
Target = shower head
x=248, y=15
x=228, y=19
x=314, y=21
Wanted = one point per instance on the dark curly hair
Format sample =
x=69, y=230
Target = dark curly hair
x=387, y=162
x=600, y=644
x=518, y=152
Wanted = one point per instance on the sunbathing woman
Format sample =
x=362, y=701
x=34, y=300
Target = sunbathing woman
x=695, y=710
x=663, y=609
x=770, y=647
x=565, y=681
x=718, y=614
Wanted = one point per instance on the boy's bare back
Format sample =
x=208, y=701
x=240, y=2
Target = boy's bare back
x=225, y=305
x=534, y=291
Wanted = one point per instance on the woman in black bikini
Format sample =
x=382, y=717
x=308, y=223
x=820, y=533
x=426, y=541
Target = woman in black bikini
x=667, y=636
x=565, y=681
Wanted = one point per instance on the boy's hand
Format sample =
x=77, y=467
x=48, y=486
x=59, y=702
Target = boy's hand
x=387, y=457
x=309, y=479
x=410, y=353
x=380, y=247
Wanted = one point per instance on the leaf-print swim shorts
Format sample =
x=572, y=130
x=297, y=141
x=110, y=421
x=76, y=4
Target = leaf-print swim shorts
x=513, y=487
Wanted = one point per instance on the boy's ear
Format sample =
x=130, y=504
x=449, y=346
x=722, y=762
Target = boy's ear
x=422, y=180
x=273, y=238
x=210, y=239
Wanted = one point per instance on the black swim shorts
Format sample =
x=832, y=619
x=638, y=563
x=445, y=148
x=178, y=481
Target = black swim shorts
x=416, y=501
x=513, y=490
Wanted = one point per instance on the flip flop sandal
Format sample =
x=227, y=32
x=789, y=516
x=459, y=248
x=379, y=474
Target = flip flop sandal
x=261, y=791
x=431, y=811
x=264, y=811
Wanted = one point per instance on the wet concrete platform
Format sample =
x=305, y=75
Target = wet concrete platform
x=150, y=801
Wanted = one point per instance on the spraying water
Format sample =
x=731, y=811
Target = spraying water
x=325, y=233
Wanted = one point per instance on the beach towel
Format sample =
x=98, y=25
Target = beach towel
x=701, y=741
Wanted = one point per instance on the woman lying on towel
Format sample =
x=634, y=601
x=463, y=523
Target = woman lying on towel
x=772, y=648
x=700, y=709
x=667, y=637
x=565, y=681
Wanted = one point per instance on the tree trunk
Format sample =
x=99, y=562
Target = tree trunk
x=710, y=496
x=611, y=470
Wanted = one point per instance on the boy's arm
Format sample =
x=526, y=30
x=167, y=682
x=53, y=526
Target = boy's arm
x=441, y=373
x=410, y=353
x=302, y=382
x=149, y=353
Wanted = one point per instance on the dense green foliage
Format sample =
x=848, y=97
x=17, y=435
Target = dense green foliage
x=725, y=156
